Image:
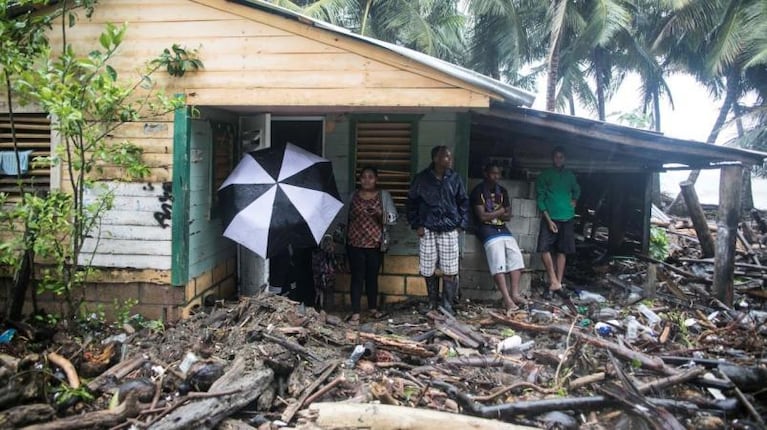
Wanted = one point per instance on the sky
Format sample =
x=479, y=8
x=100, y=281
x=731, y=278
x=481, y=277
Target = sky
x=691, y=117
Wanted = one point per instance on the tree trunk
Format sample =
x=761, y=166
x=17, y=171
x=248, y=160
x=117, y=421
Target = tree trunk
x=553, y=69
x=733, y=89
x=600, y=83
x=551, y=84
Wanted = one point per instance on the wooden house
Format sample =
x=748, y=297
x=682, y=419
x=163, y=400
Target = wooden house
x=280, y=76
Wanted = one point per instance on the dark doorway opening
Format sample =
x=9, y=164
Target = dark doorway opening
x=306, y=134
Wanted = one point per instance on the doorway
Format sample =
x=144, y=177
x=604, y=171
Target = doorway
x=304, y=132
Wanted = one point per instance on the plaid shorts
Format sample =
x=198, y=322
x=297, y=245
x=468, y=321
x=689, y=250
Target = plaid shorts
x=438, y=248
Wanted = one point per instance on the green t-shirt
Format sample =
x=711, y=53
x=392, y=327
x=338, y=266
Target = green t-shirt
x=556, y=189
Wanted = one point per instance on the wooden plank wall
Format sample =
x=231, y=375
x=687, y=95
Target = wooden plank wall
x=136, y=232
x=206, y=245
x=251, y=63
x=246, y=63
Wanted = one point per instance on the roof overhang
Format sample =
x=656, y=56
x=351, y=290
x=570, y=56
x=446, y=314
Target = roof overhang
x=501, y=92
x=653, y=150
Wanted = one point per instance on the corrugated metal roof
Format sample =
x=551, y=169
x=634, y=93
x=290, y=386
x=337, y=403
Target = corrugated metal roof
x=510, y=94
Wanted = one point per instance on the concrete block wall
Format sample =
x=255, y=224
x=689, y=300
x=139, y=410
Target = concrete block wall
x=399, y=279
x=476, y=282
x=220, y=283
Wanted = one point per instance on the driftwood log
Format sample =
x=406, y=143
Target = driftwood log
x=389, y=417
x=698, y=218
x=107, y=418
x=238, y=388
x=118, y=371
x=405, y=346
x=646, y=361
x=26, y=414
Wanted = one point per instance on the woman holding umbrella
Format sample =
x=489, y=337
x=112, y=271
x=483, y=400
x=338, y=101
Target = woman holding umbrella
x=370, y=211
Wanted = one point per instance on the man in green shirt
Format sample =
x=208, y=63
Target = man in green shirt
x=558, y=192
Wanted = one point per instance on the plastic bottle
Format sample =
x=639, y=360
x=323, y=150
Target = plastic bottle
x=589, y=297
x=632, y=328
x=652, y=318
x=508, y=343
x=7, y=336
x=358, y=352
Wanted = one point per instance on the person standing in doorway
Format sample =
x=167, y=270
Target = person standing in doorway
x=558, y=193
x=492, y=209
x=369, y=211
x=437, y=209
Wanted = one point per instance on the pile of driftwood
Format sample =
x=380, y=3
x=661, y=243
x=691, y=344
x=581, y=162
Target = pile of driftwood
x=604, y=358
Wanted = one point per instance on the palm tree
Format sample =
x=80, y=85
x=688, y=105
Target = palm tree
x=434, y=27
x=504, y=36
x=711, y=39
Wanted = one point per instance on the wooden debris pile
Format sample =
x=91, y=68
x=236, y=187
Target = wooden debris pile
x=602, y=359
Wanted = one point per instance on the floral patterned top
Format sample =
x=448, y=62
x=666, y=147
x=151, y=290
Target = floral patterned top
x=365, y=218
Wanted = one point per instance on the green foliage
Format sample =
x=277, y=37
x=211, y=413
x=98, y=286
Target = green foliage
x=88, y=100
x=92, y=318
x=177, y=61
x=123, y=310
x=659, y=244
x=64, y=394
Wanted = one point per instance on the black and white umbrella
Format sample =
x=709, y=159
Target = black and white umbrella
x=278, y=197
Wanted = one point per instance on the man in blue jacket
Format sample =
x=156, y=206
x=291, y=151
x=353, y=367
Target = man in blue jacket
x=437, y=209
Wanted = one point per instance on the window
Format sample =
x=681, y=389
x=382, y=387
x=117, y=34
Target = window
x=387, y=146
x=33, y=134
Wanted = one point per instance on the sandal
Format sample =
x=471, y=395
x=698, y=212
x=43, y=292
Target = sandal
x=354, y=319
x=376, y=314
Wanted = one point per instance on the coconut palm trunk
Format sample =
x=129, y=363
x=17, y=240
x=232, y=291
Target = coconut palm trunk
x=731, y=96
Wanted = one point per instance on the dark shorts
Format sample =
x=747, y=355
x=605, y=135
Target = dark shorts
x=562, y=242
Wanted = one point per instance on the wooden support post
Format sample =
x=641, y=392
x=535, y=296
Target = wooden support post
x=730, y=186
x=651, y=284
x=649, y=195
x=698, y=218
x=617, y=223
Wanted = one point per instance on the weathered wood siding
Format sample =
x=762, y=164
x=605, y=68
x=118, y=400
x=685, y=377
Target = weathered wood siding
x=135, y=232
x=207, y=246
x=250, y=62
x=251, y=58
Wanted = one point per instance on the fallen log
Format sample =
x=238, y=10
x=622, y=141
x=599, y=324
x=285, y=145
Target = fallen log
x=236, y=389
x=646, y=361
x=404, y=346
x=128, y=409
x=389, y=417
x=698, y=218
x=464, y=329
x=456, y=335
x=26, y=414
x=678, y=271
x=118, y=371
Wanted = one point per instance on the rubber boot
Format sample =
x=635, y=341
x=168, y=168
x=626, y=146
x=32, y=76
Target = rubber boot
x=449, y=291
x=432, y=287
